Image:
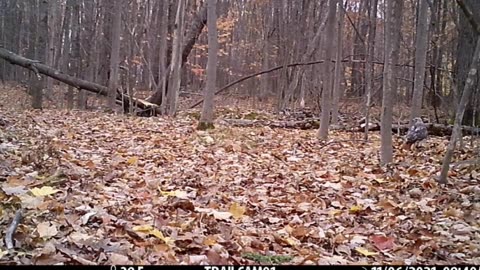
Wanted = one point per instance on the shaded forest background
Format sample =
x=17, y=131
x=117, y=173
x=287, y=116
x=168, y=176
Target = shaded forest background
x=253, y=36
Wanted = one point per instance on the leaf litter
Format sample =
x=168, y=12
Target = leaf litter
x=102, y=189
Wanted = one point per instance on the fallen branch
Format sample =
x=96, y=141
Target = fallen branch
x=40, y=68
x=12, y=228
x=313, y=123
x=433, y=129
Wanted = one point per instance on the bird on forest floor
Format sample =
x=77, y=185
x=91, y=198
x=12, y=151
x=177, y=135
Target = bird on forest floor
x=417, y=132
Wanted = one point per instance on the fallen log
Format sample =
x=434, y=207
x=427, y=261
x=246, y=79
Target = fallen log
x=313, y=123
x=310, y=123
x=433, y=129
x=146, y=108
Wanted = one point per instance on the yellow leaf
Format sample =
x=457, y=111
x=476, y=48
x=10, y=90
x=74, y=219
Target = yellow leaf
x=3, y=253
x=44, y=191
x=365, y=252
x=133, y=160
x=335, y=212
x=237, y=210
x=379, y=180
x=291, y=241
x=175, y=193
x=356, y=208
x=160, y=236
x=143, y=228
x=157, y=234
x=210, y=240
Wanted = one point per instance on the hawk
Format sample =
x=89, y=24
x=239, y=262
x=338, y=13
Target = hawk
x=417, y=132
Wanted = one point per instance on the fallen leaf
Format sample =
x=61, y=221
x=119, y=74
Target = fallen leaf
x=365, y=252
x=133, y=160
x=119, y=259
x=143, y=228
x=237, y=210
x=222, y=215
x=175, y=193
x=46, y=230
x=382, y=242
x=356, y=208
x=44, y=191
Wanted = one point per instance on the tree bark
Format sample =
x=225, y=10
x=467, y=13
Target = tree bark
x=206, y=119
x=327, y=82
x=199, y=22
x=391, y=30
x=337, y=91
x=467, y=91
x=115, y=52
x=39, y=83
x=369, y=72
x=176, y=65
x=421, y=45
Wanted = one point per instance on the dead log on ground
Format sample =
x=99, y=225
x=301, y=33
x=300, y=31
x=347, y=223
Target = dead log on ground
x=145, y=107
x=313, y=123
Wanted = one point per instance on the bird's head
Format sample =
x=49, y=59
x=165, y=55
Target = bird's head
x=417, y=120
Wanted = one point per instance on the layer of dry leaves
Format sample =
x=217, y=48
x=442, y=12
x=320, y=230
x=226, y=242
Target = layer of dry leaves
x=109, y=189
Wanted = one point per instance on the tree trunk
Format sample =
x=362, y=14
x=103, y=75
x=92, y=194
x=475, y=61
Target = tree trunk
x=337, y=91
x=391, y=30
x=176, y=65
x=206, y=119
x=42, y=47
x=327, y=83
x=162, y=71
x=467, y=91
x=115, y=52
x=370, y=71
x=199, y=21
x=421, y=45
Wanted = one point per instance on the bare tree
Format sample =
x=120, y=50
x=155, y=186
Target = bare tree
x=39, y=83
x=391, y=32
x=369, y=72
x=337, y=91
x=467, y=91
x=115, y=52
x=421, y=45
x=327, y=71
x=162, y=71
x=176, y=64
x=206, y=119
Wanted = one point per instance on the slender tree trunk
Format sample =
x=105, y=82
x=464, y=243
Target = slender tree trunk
x=206, y=119
x=52, y=29
x=391, y=30
x=162, y=69
x=467, y=91
x=176, y=66
x=337, y=91
x=370, y=71
x=42, y=47
x=421, y=45
x=115, y=52
x=327, y=71
x=67, y=49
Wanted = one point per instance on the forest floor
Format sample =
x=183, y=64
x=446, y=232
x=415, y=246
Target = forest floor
x=99, y=188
